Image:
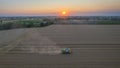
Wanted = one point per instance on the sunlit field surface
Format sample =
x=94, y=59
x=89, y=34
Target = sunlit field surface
x=93, y=46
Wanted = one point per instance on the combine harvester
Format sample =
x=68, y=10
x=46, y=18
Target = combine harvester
x=66, y=51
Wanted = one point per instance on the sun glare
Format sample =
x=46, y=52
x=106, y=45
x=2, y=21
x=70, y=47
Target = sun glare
x=64, y=12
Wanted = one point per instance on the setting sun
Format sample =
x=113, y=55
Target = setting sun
x=63, y=12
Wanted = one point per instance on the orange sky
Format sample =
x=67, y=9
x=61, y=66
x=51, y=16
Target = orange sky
x=55, y=7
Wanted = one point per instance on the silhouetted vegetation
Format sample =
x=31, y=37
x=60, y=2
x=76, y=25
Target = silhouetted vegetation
x=25, y=24
x=29, y=22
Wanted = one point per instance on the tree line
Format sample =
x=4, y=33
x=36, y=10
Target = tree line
x=25, y=24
